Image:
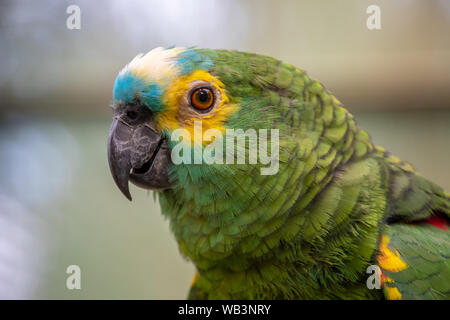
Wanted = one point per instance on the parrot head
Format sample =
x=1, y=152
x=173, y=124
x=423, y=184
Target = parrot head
x=170, y=89
x=173, y=89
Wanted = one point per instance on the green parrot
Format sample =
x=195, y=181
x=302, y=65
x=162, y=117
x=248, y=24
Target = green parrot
x=331, y=207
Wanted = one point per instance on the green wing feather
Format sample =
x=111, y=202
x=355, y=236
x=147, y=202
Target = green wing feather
x=423, y=247
x=426, y=251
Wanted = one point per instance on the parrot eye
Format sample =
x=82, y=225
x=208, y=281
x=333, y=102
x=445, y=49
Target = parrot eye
x=202, y=98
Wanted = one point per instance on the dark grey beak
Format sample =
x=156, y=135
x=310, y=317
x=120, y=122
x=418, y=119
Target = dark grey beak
x=137, y=153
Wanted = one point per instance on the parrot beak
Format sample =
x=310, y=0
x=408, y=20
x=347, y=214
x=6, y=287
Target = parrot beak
x=137, y=153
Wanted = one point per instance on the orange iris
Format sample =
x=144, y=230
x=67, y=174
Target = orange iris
x=202, y=98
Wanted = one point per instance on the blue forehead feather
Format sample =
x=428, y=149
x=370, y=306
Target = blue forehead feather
x=129, y=88
x=190, y=60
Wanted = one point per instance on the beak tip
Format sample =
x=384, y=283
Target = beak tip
x=123, y=187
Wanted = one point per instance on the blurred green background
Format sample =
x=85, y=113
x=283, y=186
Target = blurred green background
x=58, y=203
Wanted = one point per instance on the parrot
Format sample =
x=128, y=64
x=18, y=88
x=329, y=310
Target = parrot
x=336, y=207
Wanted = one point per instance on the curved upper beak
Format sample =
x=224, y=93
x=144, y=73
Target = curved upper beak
x=137, y=154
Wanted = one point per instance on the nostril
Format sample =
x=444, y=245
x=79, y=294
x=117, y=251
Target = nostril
x=132, y=115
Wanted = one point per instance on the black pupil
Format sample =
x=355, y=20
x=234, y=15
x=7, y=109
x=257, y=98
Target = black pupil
x=203, y=95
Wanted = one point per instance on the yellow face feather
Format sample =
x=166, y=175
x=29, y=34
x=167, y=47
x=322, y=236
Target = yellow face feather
x=178, y=114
